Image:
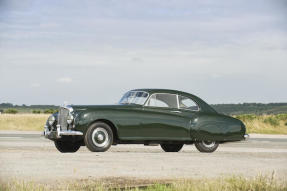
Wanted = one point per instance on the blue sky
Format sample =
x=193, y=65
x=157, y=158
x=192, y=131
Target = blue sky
x=91, y=52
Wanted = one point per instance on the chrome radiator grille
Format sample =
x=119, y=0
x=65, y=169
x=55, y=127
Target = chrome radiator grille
x=62, y=118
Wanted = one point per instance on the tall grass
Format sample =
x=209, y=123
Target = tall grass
x=259, y=183
x=28, y=122
x=265, y=124
x=234, y=183
x=22, y=186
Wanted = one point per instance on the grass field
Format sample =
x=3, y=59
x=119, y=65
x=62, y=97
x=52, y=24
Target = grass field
x=259, y=183
x=21, y=122
x=266, y=124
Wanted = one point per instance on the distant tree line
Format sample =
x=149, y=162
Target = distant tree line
x=46, y=111
x=228, y=109
x=10, y=110
x=10, y=105
x=14, y=111
x=251, y=108
x=36, y=109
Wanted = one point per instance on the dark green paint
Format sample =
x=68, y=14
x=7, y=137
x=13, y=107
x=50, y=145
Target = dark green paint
x=141, y=123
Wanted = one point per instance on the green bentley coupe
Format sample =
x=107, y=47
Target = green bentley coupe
x=144, y=116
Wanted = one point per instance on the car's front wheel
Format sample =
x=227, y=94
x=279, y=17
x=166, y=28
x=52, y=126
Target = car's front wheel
x=67, y=146
x=99, y=137
x=171, y=147
x=206, y=146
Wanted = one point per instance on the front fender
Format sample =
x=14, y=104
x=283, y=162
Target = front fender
x=87, y=118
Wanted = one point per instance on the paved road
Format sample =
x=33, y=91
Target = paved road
x=31, y=157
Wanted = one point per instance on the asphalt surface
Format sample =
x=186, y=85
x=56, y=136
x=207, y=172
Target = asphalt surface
x=28, y=156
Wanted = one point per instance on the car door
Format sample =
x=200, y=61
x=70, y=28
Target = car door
x=162, y=120
x=190, y=109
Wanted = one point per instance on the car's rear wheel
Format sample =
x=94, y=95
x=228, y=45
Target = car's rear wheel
x=67, y=146
x=171, y=147
x=99, y=137
x=206, y=146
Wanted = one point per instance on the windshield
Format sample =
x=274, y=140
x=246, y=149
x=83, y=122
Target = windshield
x=134, y=97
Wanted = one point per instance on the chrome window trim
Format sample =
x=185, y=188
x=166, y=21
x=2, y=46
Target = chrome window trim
x=177, y=100
x=162, y=107
x=189, y=109
x=138, y=91
x=177, y=96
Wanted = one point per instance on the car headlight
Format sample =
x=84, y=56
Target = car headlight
x=51, y=120
x=70, y=119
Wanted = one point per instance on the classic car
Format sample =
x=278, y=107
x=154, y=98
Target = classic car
x=168, y=118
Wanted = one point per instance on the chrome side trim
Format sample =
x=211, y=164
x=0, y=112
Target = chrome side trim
x=175, y=111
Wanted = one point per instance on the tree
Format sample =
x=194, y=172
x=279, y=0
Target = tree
x=11, y=111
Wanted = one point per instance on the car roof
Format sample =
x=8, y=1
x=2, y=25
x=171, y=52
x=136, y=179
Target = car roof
x=160, y=91
x=202, y=104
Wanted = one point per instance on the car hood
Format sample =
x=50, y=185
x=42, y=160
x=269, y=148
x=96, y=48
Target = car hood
x=79, y=108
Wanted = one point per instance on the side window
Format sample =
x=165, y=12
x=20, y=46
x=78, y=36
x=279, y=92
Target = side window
x=187, y=103
x=163, y=100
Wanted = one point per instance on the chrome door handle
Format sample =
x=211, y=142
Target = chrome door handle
x=175, y=111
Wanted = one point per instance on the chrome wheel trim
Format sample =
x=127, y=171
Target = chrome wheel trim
x=100, y=137
x=208, y=144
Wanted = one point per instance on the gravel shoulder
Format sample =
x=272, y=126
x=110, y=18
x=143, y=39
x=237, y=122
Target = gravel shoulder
x=28, y=156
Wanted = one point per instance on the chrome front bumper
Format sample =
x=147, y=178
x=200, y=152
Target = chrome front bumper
x=57, y=134
x=246, y=137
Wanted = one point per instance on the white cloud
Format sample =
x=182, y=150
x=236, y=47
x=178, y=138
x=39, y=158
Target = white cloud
x=215, y=76
x=35, y=85
x=65, y=80
x=206, y=47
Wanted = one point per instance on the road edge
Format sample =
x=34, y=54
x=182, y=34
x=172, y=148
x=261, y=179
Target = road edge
x=252, y=135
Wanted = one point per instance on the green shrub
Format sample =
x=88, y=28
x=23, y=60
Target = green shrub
x=282, y=117
x=36, y=111
x=272, y=121
x=286, y=124
x=47, y=111
x=11, y=111
x=247, y=117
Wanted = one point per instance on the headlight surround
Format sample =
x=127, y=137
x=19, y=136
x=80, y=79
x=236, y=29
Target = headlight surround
x=70, y=119
x=51, y=120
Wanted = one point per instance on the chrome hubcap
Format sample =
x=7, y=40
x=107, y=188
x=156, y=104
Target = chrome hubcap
x=100, y=137
x=208, y=144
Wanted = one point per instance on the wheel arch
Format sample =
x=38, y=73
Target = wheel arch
x=111, y=124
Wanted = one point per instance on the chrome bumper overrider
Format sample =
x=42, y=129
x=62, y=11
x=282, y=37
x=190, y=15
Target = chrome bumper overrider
x=59, y=132
x=246, y=137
